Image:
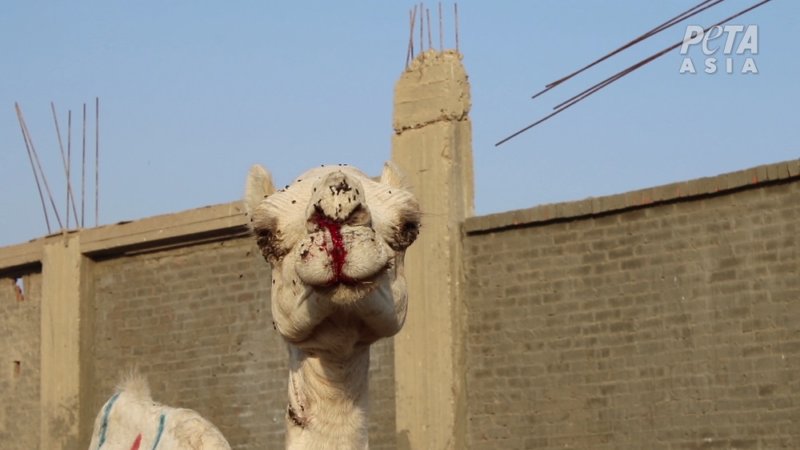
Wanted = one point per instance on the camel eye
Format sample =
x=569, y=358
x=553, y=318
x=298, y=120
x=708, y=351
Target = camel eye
x=269, y=240
x=410, y=227
x=407, y=233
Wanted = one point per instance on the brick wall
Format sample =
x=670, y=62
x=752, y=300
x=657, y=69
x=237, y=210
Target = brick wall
x=196, y=320
x=19, y=371
x=671, y=326
x=666, y=318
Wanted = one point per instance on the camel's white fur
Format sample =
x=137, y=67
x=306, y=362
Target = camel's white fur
x=329, y=316
x=131, y=419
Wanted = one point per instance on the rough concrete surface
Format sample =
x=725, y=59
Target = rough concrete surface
x=433, y=146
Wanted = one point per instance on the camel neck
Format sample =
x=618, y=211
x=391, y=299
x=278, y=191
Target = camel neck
x=328, y=400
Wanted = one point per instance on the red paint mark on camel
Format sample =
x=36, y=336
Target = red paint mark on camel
x=336, y=251
x=137, y=443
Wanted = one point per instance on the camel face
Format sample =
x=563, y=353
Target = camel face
x=335, y=239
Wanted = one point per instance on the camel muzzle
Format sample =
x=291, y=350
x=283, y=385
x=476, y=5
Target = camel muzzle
x=342, y=247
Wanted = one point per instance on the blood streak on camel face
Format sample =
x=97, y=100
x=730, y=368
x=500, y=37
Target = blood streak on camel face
x=336, y=251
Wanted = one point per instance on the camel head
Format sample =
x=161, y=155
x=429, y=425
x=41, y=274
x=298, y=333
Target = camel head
x=335, y=238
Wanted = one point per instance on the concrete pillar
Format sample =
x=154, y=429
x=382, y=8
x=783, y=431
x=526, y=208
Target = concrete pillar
x=66, y=326
x=433, y=145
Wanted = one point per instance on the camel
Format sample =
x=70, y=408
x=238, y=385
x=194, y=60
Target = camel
x=336, y=241
x=131, y=420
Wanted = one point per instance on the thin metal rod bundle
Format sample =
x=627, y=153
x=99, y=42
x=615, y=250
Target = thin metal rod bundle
x=33, y=167
x=593, y=89
x=697, y=9
x=412, y=16
x=32, y=151
x=425, y=15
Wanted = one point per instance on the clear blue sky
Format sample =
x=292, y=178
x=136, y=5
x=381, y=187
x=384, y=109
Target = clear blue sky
x=194, y=92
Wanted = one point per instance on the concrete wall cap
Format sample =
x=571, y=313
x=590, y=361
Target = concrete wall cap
x=680, y=191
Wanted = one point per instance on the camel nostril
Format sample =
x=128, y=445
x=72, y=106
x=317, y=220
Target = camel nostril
x=340, y=198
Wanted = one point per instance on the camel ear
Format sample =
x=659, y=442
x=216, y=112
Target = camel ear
x=393, y=176
x=259, y=185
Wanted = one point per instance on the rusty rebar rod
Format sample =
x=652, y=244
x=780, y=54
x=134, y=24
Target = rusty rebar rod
x=70, y=196
x=33, y=167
